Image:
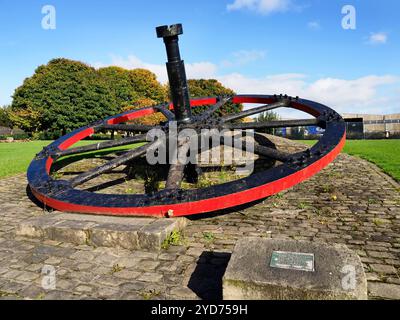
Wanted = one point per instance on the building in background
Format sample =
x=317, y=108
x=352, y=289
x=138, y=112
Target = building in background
x=359, y=126
x=17, y=134
x=371, y=126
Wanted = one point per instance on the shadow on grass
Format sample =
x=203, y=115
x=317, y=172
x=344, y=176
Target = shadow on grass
x=59, y=164
x=106, y=185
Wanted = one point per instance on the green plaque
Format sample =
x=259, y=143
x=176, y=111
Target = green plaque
x=292, y=261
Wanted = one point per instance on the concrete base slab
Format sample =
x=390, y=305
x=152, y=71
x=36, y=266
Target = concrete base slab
x=105, y=231
x=338, y=272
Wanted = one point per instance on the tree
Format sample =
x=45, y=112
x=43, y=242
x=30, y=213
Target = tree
x=132, y=86
x=146, y=85
x=265, y=117
x=120, y=82
x=25, y=118
x=61, y=96
x=135, y=89
x=208, y=88
x=152, y=119
x=5, y=120
x=64, y=95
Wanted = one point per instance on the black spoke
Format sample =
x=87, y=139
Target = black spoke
x=125, y=127
x=209, y=112
x=114, y=163
x=166, y=112
x=273, y=124
x=250, y=112
x=102, y=145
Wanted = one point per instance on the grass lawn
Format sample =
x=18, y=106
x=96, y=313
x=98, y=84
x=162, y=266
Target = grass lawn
x=15, y=157
x=384, y=153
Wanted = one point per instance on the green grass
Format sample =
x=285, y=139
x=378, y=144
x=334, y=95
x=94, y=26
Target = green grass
x=384, y=153
x=15, y=157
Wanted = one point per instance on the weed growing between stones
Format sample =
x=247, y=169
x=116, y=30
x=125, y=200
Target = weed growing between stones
x=116, y=268
x=148, y=295
x=378, y=222
x=175, y=238
x=208, y=236
x=302, y=205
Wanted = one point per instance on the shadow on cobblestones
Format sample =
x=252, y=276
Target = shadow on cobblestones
x=219, y=213
x=31, y=197
x=206, y=280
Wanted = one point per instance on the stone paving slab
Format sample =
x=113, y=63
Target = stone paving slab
x=350, y=202
x=102, y=231
x=250, y=275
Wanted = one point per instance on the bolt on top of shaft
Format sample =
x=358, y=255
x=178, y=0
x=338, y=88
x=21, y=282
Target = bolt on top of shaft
x=169, y=31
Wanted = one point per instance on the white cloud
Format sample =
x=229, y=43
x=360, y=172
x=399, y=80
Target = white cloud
x=314, y=25
x=283, y=83
x=200, y=70
x=260, y=6
x=378, y=38
x=358, y=95
x=243, y=57
x=362, y=95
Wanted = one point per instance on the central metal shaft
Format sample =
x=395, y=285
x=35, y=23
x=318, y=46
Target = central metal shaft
x=176, y=72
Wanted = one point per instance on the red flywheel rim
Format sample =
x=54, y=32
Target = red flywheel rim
x=64, y=198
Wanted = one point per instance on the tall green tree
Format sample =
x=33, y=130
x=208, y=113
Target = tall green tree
x=120, y=82
x=134, y=89
x=145, y=84
x=133, y=86
x=61, y=96
x=64, y=95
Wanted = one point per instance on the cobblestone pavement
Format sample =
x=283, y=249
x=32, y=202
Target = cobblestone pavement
x=349, y=202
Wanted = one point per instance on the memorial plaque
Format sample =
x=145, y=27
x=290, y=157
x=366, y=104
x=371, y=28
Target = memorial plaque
x=254, y=273
x=292, y=260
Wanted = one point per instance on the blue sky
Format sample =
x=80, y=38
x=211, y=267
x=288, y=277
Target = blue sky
x=253, y=46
